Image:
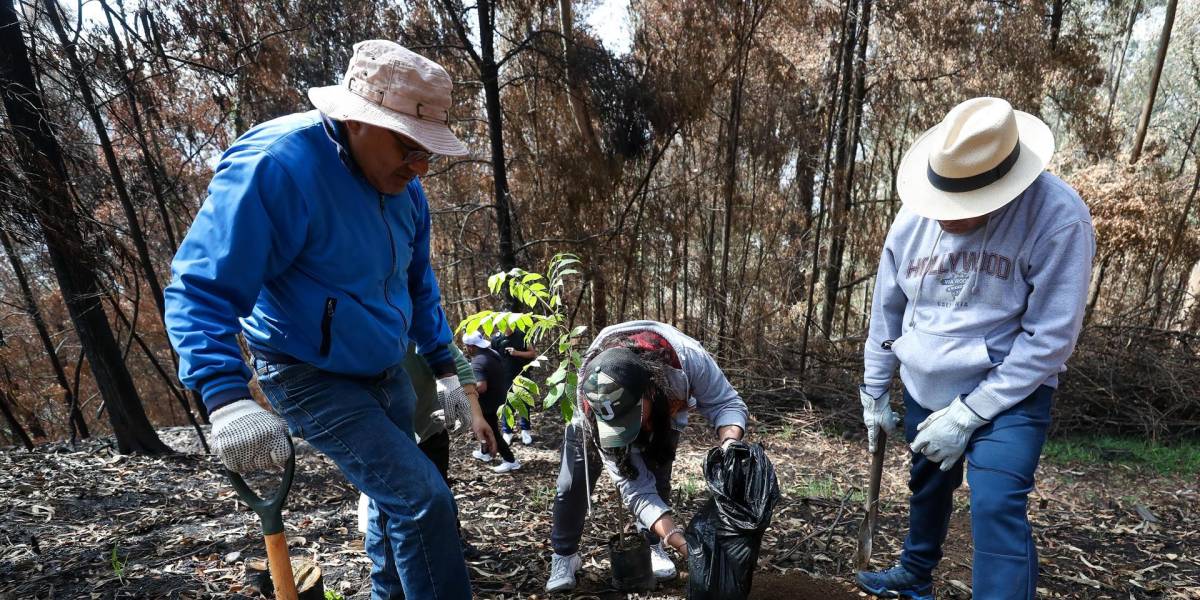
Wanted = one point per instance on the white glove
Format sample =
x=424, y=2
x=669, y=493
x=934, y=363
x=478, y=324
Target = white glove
x=248, y=438
x=456, y=407
x=877, y=414
x=944, y=434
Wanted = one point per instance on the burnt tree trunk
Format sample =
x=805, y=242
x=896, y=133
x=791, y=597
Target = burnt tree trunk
x=18, y=432
x=110, y=158
x=60, y=223
x=75, y=416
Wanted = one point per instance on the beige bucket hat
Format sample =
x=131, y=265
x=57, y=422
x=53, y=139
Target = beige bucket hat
x=978, y=159
x=390, y=86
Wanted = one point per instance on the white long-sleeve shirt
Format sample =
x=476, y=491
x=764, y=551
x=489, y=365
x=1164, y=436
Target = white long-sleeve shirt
x=699, y=380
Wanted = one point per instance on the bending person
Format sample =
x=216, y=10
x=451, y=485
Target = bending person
x=639, y=380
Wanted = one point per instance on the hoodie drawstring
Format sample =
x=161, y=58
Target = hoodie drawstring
x=924, y=270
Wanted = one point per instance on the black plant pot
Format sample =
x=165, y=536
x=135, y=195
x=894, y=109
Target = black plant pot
x=629, y=556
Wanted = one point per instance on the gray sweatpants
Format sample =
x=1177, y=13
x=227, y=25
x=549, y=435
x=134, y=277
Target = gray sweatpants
x=570, y=501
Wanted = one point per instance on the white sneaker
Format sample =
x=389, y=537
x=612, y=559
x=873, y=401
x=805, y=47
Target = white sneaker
x=507, y=437
x=661, y=563
x=562, y=572
x=481, y=455
x=526, y=438
x=506, y=466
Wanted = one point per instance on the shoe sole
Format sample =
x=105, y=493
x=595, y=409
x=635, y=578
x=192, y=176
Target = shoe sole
x=886, y=593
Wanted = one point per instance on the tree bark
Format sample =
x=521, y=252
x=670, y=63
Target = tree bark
x=110, y=158
x=490, y=75
x=42, y=159
x=1116, y=83
x=576, y=94
x=75, y=416
x=6, y=404
x=1164, y=41
x=153, y=172
x=1057, y=7
x=839, y=202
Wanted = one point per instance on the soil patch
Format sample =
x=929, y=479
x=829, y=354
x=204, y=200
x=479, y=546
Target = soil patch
x=798, y=585
x=86, y=522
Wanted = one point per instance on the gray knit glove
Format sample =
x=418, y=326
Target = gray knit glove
x=248, y=438
x=455, y=406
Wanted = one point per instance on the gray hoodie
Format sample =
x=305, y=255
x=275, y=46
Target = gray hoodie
x=991, y=314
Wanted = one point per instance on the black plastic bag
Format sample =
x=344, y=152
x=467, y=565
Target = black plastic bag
x=724, y=537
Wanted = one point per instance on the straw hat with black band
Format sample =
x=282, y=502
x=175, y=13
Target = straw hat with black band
x=982, y=156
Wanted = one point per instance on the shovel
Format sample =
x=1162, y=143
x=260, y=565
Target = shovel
x=270, y=512
x=866, y=531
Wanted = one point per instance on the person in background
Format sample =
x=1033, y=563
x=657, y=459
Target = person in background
x=638, y=382
x=515, y=353
x=979, y=299
x=492, y=381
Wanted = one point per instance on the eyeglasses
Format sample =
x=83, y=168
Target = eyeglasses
x=412, y=155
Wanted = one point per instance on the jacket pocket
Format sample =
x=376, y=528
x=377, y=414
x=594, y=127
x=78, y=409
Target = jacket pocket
x=327, y=325
x=936, y=368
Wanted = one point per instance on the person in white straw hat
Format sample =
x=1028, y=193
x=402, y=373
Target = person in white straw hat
x=979, y=299
x=313, y=243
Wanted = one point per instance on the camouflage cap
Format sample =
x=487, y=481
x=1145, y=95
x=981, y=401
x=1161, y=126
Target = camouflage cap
x=613, y=384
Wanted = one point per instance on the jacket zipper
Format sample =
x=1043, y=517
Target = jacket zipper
x=327, y=325
x=391, y=246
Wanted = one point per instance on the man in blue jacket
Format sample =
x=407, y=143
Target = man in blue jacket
x=314, y=244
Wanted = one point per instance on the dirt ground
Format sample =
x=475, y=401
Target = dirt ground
x=89, y=523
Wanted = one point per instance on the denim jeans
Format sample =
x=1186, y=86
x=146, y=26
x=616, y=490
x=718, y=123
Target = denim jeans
x=365, y=426
x=522, y=422
x=570, y=499
x=1002, y=457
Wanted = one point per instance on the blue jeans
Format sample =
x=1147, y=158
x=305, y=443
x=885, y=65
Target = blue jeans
x=1003, y=456
x=365, y=426
x=522, y=422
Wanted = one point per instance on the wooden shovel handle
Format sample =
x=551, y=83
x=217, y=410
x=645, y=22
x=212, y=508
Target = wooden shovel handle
x=281, y=567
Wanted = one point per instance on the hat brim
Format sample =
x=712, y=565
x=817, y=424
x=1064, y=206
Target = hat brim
x=341, y=104
x=919, y=195
x=619, y=431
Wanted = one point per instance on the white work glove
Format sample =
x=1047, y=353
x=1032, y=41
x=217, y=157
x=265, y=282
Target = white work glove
x=943, y=435
x=877, y=414
x=456, y=407
x=248, y=438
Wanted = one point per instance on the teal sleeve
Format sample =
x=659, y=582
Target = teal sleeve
x=466, y=376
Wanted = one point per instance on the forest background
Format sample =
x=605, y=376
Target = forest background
x=726, y=167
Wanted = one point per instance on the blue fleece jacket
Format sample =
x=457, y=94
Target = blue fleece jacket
x=297, y=251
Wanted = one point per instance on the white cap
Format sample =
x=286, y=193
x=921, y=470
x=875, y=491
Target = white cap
x=476, y=339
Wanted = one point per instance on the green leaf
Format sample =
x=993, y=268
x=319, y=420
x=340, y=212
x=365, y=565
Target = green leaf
x=506, y=415
x=567, y=408
x=558, y=375
x=495, y=282
x=578, y=331
x=530, y=277
x=554, y=395
x=523, y=408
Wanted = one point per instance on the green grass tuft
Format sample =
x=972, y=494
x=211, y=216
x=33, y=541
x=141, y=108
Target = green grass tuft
x=824, y=487
x=1176, y=458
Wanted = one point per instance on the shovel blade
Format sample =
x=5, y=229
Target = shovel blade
x=866, y=530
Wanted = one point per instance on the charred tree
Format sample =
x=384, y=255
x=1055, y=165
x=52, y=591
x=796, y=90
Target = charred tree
x=61, y=225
